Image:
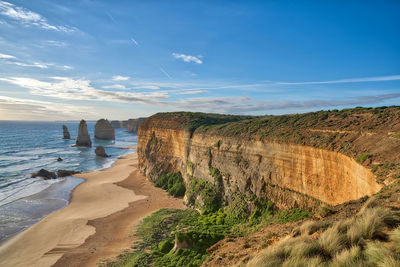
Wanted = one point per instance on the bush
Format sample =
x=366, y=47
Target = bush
x=173, y=183
x=165, y=246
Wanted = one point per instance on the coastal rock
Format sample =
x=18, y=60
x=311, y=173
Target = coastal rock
x=64, y=173
x=103, y=130
x=59, y=159
x=101, y=152
x=116, y=124
x=83, y=138
x=45, y=174
x=132, y=125
x=66, y=132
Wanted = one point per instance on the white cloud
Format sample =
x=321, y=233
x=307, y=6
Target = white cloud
x=166, y=73
x=115, y=86
x=192, y=92
x=68, y=67
x=119, y=78
x=188, y=58
x=30, y=18
x=351, y=80
x=150, y=87
x=81, y=89
x=18, y=108
x=4, y=56
x=34, y=64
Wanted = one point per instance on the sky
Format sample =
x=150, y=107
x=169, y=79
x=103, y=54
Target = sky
x=74, y=59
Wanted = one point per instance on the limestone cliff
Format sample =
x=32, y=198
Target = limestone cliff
x=132, y=125
x=83, y=138
x=293, y=160
x=103, y=130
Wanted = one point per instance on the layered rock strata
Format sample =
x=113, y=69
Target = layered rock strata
x=132, y=125
x=290, y=175
x=103, y=130
x=83, y=138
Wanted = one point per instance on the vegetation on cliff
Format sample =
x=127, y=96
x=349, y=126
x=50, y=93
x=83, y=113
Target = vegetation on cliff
x=173, y=183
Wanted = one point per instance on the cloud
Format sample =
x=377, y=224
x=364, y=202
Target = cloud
x=81, y=89
x=68, y=67
x=192, y=92
x=119, y=78
x=30, y=18
x=34, y=64
x=115, y=86
x=150, y=87
x=18, y=108
x=188, y=58
x=56, y=43
x=4, y=56
x=351, y=80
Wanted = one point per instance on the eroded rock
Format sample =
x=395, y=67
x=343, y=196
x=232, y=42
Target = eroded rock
x=64, y=173
x=45, y=174
x=83, y=138
x=66, y=134
x=103, y=130
x=101, y=152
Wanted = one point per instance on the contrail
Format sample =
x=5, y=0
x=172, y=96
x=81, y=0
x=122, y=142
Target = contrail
x=134, y=41
x=166, y=74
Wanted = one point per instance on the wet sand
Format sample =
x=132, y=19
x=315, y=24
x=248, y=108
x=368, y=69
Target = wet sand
x=98, y=223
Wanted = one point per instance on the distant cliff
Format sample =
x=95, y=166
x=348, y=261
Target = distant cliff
x=295, y=160
x=132, y=125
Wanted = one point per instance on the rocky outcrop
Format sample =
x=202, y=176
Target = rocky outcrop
x=66, y=134
x=101, y=152
x=83, y=138
x=116, y=124
x=103, y=130
x=287, y=173
x=124, y=124
x=45, y=174
x=64, y=173
x=132, y=125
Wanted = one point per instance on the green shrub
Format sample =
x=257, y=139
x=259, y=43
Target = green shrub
x=237, y=211
x=363, y=158
x=165, y=246
x=173, y=183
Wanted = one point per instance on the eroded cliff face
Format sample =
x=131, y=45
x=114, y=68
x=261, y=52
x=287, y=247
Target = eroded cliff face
x=290, y=175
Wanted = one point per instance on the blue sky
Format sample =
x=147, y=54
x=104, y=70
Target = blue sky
x=63, y=60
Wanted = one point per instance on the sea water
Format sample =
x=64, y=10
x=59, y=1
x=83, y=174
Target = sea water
x=25, y=148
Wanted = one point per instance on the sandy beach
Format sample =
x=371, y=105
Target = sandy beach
x=98, y=223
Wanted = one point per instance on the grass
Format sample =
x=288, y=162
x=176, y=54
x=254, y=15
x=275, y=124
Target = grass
x=358, y=241
x=363, y=158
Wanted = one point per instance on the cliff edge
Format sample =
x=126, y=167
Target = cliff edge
x=299, y=160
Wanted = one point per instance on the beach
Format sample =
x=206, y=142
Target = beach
x=98, y=222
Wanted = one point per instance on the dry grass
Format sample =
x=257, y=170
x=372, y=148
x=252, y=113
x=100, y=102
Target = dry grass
x=351, y=242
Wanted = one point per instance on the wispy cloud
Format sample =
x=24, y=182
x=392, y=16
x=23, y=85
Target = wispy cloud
x=119, y=78
x=188, y=58
x=30, y=18
x=351, y=80
x=4, y=56
x=115, y=86
x=19, y=108
x=81, y=89
x=192, y=92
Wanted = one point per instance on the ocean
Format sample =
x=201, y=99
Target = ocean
x=26, y=147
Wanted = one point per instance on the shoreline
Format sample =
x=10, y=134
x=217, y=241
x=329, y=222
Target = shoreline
x=103, y=199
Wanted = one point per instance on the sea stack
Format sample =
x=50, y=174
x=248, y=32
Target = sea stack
x=66, y=133
x=101, y=152
x=83, y=138
x=103, y=130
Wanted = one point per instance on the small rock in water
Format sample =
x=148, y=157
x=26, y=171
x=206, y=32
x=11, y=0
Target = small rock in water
x=59, y=159
x=101, y=152
x=63, y=173
x=45, y=174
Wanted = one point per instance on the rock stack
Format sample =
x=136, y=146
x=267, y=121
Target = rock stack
x=83, y=138
x=66, y=133
x=132, y=125
x=103, y=130
x=116, y=124
x=101, y=152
